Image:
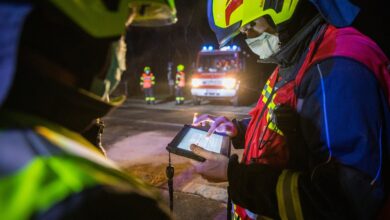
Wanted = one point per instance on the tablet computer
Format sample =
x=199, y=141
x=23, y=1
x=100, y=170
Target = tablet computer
x=180, y=145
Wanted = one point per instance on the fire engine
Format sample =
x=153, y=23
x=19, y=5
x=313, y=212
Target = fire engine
x=217, y=74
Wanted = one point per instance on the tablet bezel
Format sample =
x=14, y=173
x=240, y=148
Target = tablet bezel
x=172, y=147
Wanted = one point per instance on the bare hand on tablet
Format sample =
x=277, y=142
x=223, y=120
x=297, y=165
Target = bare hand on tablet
x=219, y=124
x=214, y=168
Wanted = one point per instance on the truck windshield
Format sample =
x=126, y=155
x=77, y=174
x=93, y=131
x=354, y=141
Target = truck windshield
x=210, y=63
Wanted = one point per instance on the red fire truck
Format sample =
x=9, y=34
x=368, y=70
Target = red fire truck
x=217, y=74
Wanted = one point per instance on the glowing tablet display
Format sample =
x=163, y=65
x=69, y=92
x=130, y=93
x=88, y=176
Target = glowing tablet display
x=198, y=137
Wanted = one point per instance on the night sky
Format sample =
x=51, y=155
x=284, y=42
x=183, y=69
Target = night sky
x=178, y=43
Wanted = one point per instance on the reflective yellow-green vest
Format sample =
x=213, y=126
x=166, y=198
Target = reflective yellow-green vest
x=62, y=164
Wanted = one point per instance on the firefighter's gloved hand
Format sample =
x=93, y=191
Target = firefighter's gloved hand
x=219, y=124
x=214, y=168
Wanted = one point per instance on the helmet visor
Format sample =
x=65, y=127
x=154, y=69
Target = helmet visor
x=224, y=35
x=153, y=13
x=227, y=17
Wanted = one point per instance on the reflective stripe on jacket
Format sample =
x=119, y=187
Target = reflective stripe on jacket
x=180, y=79
x=147, y=80
x=266, y=144
x=40, y=167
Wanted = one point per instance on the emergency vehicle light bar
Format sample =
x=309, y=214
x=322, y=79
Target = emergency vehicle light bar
x=225, y=48
x=207, y=48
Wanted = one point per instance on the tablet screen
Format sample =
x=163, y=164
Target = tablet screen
x=198, y=137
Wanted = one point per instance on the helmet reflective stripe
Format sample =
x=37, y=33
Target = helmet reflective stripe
x=227, y=12
x=37, y=196
x=226, y=17
x=45, y=189
x=94, y=17
x=70, y=168
x=231, y=7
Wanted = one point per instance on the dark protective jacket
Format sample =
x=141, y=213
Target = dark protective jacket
x=317, y=144
x=49, y=172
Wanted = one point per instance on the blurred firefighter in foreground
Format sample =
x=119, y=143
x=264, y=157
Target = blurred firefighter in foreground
x=317, y=143
x=103, y=86
x=53, y=52
x=180, y=84
x=147, y=83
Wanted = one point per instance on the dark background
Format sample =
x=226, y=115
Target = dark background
x=180, y=42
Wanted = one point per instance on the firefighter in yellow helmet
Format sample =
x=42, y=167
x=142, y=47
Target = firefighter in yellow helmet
x=147, y=82
x=53, y=52
x=180, y=84
x=316, y=144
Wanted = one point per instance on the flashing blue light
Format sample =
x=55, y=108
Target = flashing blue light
x=225, y=48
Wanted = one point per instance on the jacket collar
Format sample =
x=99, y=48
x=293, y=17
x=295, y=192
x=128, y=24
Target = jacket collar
x=290, y=53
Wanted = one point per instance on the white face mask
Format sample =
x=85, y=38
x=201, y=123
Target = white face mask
x=264, y=45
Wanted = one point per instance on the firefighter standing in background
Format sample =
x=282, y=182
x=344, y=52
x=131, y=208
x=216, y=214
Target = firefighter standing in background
x=171, y=81
x=180, y=84
x=147, y=83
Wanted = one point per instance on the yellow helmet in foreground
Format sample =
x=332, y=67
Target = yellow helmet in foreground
x=226, y=17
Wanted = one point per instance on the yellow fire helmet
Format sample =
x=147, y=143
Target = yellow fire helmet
x=180, y=67
x=226, y=17
x=96, y=17
x=108, y=18
x=147, y=68
x=153, y=13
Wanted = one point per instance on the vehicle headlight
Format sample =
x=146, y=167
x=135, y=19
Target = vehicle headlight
x=196, y=82
x=229, y=83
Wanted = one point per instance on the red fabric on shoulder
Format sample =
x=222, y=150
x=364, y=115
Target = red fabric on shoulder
x=350, y=43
